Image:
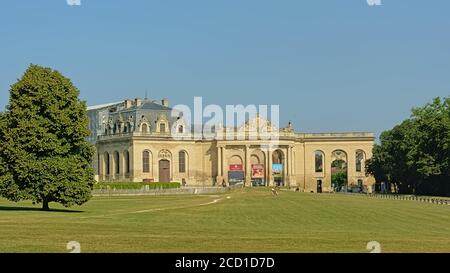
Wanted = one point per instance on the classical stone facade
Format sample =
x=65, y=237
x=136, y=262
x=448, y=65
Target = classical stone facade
x=134, y=143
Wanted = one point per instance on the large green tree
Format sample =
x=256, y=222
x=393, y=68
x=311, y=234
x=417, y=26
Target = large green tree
x=339, y=179
x=429, y=152
x=44, y=155
x=415, y=155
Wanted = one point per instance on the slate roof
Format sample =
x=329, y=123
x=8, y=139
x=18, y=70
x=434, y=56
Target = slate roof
x=151, y=105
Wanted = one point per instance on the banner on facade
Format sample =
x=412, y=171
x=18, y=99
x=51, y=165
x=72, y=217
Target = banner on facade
x=236, y=167
x=277, y=170
x=257, y=170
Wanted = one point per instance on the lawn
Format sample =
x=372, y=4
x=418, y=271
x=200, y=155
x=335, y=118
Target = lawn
x=249, y=220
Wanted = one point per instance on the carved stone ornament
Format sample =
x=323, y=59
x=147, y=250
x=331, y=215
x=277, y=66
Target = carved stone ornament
x=165, y=154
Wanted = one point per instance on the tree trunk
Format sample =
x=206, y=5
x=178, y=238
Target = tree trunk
x=45, y=205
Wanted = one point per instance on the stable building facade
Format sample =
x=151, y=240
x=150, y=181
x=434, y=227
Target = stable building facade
x=135, y=141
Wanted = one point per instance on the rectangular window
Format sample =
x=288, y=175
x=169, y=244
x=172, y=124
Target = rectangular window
x=146, y=162
x=182, y=162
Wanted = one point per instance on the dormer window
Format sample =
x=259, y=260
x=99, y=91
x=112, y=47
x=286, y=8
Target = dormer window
x=144, y=128
x=162, y=123
x=162, y=127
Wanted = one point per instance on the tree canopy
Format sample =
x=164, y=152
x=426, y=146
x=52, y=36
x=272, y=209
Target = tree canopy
x=415, y=155
x=44, y=156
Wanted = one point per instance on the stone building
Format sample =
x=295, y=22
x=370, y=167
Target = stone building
x=135, y=142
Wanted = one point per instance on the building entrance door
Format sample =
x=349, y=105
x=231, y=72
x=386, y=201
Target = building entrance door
x=164, y=170
x=319, y=186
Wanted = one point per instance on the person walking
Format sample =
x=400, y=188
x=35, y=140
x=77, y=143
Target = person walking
x=274, y=191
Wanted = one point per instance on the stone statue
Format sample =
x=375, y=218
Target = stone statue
x=131, y=124
x=110, y=125
x=120, y=123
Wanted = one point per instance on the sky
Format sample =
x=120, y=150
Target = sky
x=331, y=65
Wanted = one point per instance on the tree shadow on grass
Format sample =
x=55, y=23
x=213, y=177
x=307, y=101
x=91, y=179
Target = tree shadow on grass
x=4, y=208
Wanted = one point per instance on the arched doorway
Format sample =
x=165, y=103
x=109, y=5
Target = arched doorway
x=116, y=164
x=258, y=170
x=126, y=155
x=164, y=170
x=236, y=173
x=360, y=156
x=319, y=186
x=278, y=167
x=339, y=172
x=107, y=165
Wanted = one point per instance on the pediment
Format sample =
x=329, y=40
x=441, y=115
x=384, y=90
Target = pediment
x=257, y=124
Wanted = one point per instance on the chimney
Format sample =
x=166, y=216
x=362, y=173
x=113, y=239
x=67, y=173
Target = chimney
x=165, y=102
x=137, y=102
x=128, y=103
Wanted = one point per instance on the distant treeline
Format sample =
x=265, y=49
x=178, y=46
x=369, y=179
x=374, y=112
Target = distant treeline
x=414, y=156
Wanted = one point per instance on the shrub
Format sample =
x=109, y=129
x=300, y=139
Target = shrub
x=136, y=185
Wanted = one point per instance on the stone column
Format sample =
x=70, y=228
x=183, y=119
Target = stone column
x=154, y=169
x=131, y=158
x=219, y=177
x=111, y=166
x=136, y=164
x=122, y=165
x=290, y=165
x=288, y=168
x=220, y=164
x=326, y=183
x=247, y=166
x=351, y=167
x=101, y=171
x=269, y=167
x=292, y=161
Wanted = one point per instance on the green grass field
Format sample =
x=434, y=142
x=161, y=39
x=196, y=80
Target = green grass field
x=247, y=221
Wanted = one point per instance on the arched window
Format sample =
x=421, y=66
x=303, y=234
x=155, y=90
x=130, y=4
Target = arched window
x=107, y=166
x=359, y=160
x=116, y=163
x=180, y=129
x=278, y=167
x=127, y=162
x=144, y=128
x=182, y=161
x=319, y=161
x=146, y=162
x=277, y=157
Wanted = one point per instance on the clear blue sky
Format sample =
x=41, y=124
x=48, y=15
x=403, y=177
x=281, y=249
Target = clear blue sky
x=336, y=65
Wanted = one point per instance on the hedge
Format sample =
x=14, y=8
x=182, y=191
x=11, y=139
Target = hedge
x=136, y=185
